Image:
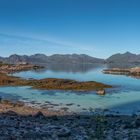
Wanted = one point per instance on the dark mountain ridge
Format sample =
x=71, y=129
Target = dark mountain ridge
x=72, y=58
x=124, y=58
x=56, y=58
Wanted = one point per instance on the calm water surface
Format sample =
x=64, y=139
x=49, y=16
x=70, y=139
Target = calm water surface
x=125, y=97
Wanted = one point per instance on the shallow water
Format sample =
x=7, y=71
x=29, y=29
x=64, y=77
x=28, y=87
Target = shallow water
x=125, y=97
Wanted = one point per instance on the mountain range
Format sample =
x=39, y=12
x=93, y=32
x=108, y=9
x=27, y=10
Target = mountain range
x=124, y=58
x=56, y=58
x=71, y=58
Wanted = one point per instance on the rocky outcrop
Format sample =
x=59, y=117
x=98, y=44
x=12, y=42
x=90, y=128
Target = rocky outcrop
x=117, y=71
x=134, y=72
x=20, y=66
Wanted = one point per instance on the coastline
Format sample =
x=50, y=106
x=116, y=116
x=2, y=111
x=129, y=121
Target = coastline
x=22, y=109
x=132, y=72
x=22, y=122
x=19, y=121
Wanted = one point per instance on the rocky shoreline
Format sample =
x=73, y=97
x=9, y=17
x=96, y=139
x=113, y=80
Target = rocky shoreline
x=133, y=72
x=18, y=121
x=21, y=66
x=21, y=122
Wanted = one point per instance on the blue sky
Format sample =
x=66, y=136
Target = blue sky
x=95, y=27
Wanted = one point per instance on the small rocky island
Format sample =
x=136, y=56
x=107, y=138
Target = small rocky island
x=51, y=83
x=133, y=72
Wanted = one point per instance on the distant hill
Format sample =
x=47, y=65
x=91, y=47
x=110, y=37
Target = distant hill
x=124, y=58
x=56, y=58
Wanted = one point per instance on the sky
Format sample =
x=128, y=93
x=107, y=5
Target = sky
x=98, y=28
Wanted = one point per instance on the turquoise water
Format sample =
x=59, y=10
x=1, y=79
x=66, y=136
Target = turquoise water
x=125, y=97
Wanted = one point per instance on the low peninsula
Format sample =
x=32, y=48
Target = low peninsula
x=133, y=72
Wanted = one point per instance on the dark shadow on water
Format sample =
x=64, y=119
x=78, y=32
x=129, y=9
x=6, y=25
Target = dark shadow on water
x=130, y=108
x=9, y=96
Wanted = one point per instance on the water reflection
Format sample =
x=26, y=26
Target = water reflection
x=82, y=68
x=74, y=68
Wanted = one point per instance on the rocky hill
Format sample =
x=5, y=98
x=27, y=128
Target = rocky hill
x=124, y=58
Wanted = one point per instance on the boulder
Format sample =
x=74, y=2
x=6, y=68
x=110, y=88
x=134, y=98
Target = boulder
x=100, y=92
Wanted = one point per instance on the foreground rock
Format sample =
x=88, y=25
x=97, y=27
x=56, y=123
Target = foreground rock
x=68, y=127
x=24, y=122
x=134, y=72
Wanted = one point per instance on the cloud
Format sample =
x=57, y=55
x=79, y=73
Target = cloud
x=27, y=40
x=10, y=44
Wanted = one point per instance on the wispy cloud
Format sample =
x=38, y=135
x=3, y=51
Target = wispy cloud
x=27, y=40
x=30, y=45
